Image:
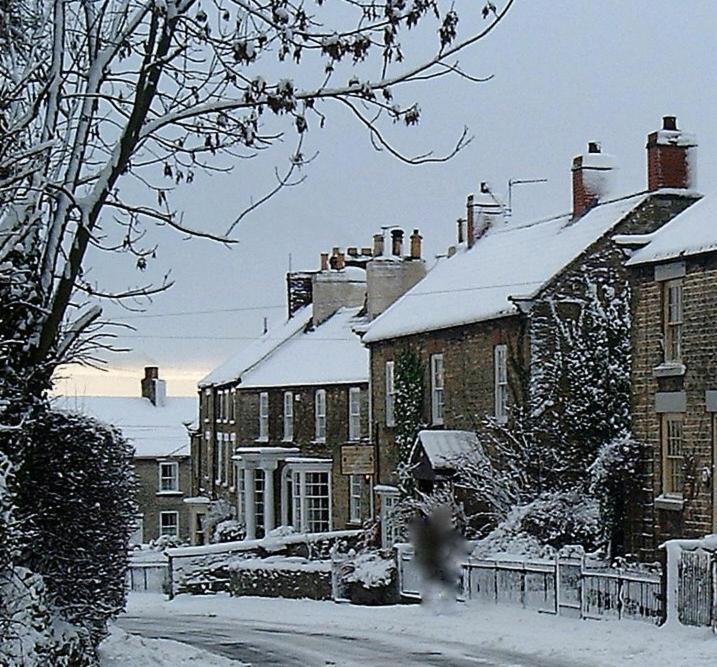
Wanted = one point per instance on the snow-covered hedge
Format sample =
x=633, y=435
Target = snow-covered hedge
x=545, y=525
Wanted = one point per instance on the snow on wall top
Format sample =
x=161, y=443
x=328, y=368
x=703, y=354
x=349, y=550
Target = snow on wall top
x=691, y=232
x=445, y=448
x=510, y=260
x=232, y=369
x=330, y=353
x=153, y=431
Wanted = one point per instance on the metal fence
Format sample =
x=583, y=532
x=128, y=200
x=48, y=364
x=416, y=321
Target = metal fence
x=565, y=586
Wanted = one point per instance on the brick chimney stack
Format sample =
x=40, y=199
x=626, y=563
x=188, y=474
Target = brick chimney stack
x=482, y=211
x=670, y=157
x=153, y=388
x=397, y=242
x=592, y=173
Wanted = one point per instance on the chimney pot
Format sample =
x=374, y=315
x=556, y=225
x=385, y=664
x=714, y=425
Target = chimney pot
x=594, y=147
x=461, y=229
x=148, y=384
x=416, y=239
x=397, y=242
x=352, y=251
x=669, y=123
x=324, y=261
x=340, y=261
x=366, y=252
x=377, y=245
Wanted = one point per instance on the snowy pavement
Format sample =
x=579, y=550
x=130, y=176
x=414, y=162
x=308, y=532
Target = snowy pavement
x=265, y=631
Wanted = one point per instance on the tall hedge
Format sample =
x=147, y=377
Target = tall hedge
x=75, y=494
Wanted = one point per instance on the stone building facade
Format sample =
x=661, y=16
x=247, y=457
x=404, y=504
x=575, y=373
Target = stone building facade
x=487, y=316
x=283, y=432
x=674, y=390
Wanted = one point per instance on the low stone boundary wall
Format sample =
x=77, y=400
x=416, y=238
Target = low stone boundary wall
x=205, y=569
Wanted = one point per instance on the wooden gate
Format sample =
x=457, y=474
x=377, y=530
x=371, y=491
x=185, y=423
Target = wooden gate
x=696, y=592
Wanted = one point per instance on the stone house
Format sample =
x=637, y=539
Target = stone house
x=283, y=433
x=156, y=425
x=674, y=378
x=483, y=322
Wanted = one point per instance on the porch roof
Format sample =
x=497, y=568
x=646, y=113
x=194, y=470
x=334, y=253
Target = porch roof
x=444, y=448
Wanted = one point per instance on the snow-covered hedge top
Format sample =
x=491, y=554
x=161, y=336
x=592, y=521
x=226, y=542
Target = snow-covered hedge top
x=283, y=563
x=267, y=543
x=370, y=569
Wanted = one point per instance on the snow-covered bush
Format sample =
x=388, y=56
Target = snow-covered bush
x=229, y=530
x=165, y=542
x=545, y=525
x=371, y=569
x=75, y=497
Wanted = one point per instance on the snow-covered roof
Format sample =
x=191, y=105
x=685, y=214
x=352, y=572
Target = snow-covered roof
x=691, y=232
x=232, y=369
x=444, y=448
x=330, y=353
x=509, y=261
x=154, y=431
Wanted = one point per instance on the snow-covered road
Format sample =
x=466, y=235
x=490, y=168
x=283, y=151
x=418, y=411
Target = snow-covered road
x=308, y=645
x=266, y=631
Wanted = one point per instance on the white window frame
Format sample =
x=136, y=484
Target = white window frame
x=320, y=415
x=354, y=414
x=264, y=415
x=232, y=406
x=288, y=416
x=673, y=447
x=356, y=493
x=176, y=523
x=301, y=506
x=390, y=387
x=500, y=362
x=219, y=444
x=437, y=389
x=174, y=477
x=673, y=320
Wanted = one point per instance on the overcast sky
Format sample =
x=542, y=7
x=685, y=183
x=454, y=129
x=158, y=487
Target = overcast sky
x=565, y=72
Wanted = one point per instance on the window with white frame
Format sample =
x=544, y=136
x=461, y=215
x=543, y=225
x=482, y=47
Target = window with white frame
x=309, y=492
x=169, y=524
x=263, y=416
x=390, y=518
x=230, y=462
x=288, y=416
x=219, y=446
x=168, y=476
x=232, y=405
x=437, y=388
x=356, y=489
x=390, y=394
x=672, y=455
x=673, y=314
x=354, y=413
x=501, y=383
x=320, y=415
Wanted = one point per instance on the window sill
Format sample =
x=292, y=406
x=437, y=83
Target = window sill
x=669, y=369
x=319, y=441
x=262, y=439
x=671, y=503
x=354, y=522
x=170, y=493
